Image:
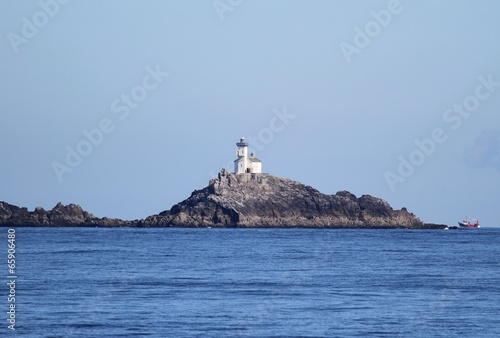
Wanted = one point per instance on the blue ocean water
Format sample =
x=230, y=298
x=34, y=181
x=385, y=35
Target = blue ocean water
x=85, y=282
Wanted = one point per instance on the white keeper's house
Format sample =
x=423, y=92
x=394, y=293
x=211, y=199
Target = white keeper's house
x=244, y=163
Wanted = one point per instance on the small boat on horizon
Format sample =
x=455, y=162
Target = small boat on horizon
x=467, y=224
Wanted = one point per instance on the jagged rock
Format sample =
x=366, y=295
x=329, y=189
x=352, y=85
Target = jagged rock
x=262, y=200
x=242, y=200
x=60, y=215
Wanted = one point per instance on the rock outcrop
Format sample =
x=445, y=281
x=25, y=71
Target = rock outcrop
x=262, y=200
x=60, y=215
x=243, y=200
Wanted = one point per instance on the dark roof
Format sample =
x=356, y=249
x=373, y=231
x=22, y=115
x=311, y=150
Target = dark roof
x=251, y=159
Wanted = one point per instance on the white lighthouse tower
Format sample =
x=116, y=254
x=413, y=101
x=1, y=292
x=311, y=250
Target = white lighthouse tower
x=244, y=163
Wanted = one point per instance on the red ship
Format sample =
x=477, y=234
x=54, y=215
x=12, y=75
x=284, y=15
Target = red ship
x=466, y=224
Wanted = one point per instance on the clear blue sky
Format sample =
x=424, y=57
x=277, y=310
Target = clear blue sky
x=334, y=92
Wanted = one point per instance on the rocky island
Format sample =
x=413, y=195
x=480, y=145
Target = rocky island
x=246, y=198
x=240, y=200
x=261, y=200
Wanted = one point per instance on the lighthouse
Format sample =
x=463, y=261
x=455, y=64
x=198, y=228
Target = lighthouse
x=244, y=163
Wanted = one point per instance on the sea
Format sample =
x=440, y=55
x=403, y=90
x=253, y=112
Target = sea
x=203, y=282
